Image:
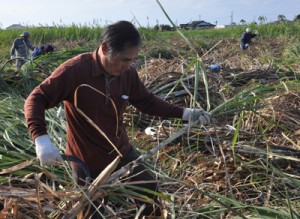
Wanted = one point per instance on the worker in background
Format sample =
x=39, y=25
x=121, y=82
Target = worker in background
x=97, y=87
x=42, y=50
x=38, y=51
x=21, y=48
x=246, y=38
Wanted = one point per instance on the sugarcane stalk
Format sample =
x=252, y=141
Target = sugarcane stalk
x=92, y=192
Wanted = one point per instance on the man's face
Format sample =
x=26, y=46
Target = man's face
x=117, y=63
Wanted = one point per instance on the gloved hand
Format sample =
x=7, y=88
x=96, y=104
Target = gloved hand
x=194, y=114
x=246, y=45
x=46, y=151
x=256, y=32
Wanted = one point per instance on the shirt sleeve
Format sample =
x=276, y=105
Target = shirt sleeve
x=48, y=94
x=243, y=37
x=13, y=49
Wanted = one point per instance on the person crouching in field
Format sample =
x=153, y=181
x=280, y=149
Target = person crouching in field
x=99, y=85
x=247, y=38
x=42, y=50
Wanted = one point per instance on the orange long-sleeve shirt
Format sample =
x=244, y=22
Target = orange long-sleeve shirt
x=96, y=96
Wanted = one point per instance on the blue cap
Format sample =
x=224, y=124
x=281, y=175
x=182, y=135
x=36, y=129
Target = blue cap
x=25, y=34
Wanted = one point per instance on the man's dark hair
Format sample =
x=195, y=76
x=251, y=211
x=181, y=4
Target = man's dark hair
x=120, y=36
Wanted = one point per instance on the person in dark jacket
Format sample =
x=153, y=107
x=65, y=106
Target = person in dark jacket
x=247, y=38
x=38, y=51
x=21, y=48
x=42, y=50
x=96, y=88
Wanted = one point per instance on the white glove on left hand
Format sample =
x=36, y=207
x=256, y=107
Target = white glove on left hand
x=46, y=151
x=194, y=114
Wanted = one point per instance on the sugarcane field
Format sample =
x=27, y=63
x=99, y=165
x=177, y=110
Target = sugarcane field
x=245, y=163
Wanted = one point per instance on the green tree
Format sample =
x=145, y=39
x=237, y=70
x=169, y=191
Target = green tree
x=242, y=21
x=281, y=18
x=262, y=19
x=297, y=18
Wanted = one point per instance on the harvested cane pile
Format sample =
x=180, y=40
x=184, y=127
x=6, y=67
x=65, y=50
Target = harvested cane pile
x=206, y=159
x=283, y=109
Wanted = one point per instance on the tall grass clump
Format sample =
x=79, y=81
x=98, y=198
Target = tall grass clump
x=282, y=30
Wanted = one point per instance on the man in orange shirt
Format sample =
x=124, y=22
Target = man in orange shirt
x=100, y=85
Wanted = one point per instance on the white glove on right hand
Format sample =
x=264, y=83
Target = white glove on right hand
x=46, y=151
x=194, y=114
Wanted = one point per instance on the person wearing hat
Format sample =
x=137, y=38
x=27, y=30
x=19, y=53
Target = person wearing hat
x=246, y=38
x=21, y=49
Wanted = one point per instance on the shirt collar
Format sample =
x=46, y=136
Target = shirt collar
x=97, y=66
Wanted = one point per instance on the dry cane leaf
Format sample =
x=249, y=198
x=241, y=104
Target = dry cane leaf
x=92, y=190
x=19, y=166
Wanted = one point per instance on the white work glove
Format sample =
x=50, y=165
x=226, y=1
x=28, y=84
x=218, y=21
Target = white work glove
x=256, y=32
x=194, y=114
x=46, y=151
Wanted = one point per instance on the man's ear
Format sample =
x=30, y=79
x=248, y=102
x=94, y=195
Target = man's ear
x=104, y=48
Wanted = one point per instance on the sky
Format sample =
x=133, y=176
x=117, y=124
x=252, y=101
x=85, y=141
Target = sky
x=144, y=12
